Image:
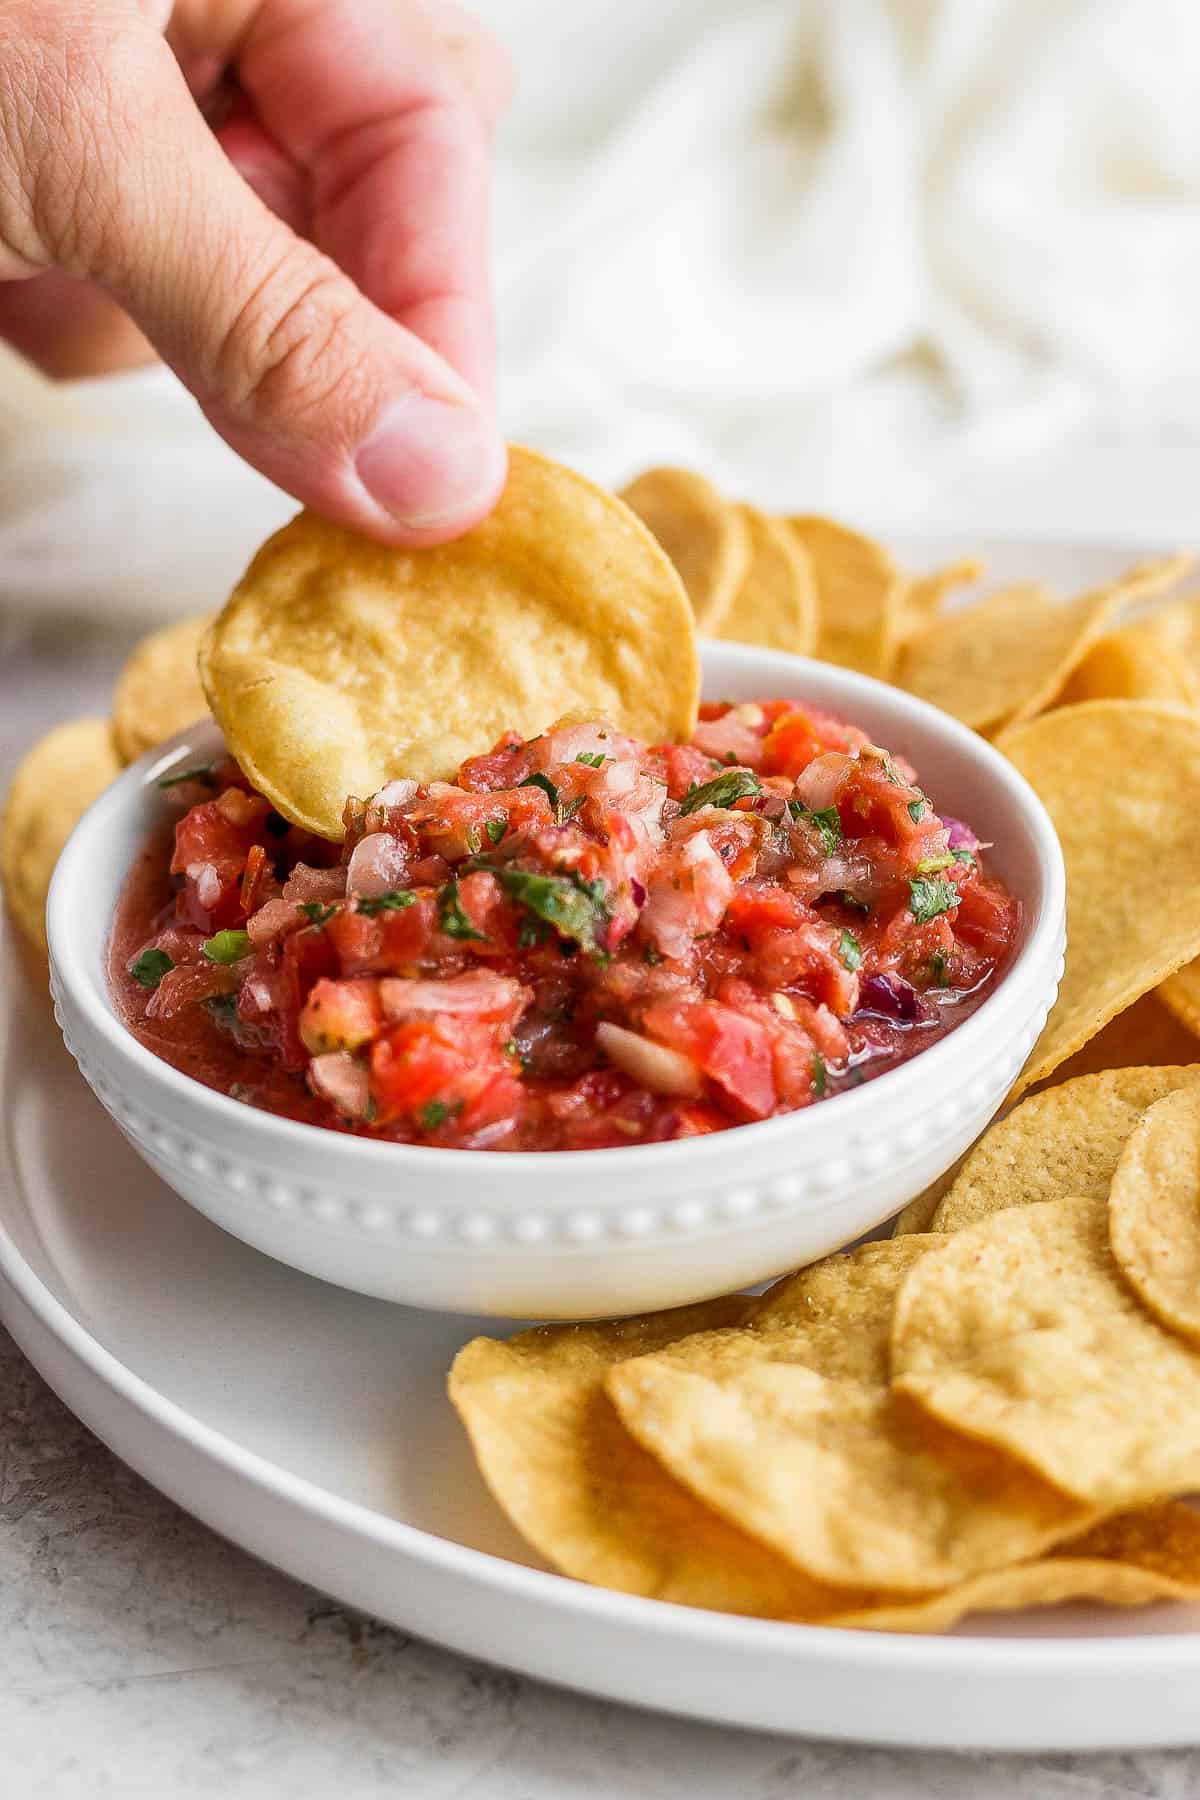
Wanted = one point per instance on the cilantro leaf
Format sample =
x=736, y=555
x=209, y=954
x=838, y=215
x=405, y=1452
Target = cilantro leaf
x=495, y=829
x=395, y=900
x=453, y=920
x=818, y=1074
x=547, y=786
x=722, y=790
x=928, y=898
x=964, y=856
x=937, y=967
x=573, y=907
x=593, y=759
x=850, y=950
x=149, y=968
x=827, y=824
x=916, y=810
x=227, y=946
x=316, y=913
x=436, y=1112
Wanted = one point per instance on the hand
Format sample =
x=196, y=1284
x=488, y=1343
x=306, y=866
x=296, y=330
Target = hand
x=315, y=269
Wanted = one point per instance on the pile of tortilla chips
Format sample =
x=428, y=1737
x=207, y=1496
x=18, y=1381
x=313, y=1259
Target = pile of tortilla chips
x=1000, y=1411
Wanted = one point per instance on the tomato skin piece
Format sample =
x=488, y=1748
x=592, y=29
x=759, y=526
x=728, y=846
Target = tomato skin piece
x=308, y=955
x=987, y=918
x=390, y=943
x=450, y=1061
x=732, y=1051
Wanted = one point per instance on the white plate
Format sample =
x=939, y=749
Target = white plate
x=311, y=1426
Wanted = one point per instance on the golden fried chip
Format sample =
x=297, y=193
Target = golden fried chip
x=1145, y=1035
x=1022, y=1332
x=704, y=535
x=52, y=788
x=916, y=1216
x=925, y=595
x=158, y=691
x=340, y=663
x=860, y=594
x=775, y=604
x=1180, y=994
x=789, y=1430
x=1121, y=781
x=1132, y=1559
x=1066, y=1140
x=1139, y=661
x=1154, y=1210
x=577, y=1486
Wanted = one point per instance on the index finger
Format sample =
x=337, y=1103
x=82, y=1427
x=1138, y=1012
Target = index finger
x=359, y=95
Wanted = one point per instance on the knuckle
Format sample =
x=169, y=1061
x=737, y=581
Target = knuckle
x=287, y=353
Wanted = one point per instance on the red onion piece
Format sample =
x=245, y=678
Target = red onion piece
x=892, y=998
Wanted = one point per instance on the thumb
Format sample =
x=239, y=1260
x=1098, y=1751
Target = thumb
x=292, y=364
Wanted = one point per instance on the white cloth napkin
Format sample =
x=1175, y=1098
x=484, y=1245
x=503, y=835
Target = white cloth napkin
x=923, y=264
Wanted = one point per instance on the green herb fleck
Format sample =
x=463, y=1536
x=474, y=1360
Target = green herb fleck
x=531, y=932
x=575, y=908
x=547, y=786
x=916, y=810
x=937, y=967
x=495, y=829
x=850, y=950
x=818, y=1074
x=395, y=900
x=316, y=913
x=205, y=772
x=827, y=824
x=860, y=906
x=722, y=790
x=453, y=920
x=592, y=759
x=436, y=1112
x=652, y=956
x=929, y=898
x=149, y=968
x=963, y=856
x=227, y=946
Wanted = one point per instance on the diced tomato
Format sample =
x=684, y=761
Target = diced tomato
x=443, y=1064
x=340, y=1015
x=504, y=766
x=734, y=1052
x=987, y=917
x=308, y=956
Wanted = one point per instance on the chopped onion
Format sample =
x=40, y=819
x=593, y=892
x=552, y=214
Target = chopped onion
x=378, y=864
x=208, y=883
x=656, y=1067
x=960, y=836
x=305, y=883
x=342, y=1080
x=396, y=793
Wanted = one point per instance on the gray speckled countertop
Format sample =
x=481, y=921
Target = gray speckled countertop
x=140, y=1655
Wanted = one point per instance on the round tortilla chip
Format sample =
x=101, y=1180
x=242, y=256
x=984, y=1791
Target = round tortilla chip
x=1145, y=1035
x=1121, y=781
x=158, y=691
x=1021, y=1331
x=925, y=595
x=790, y=1431
x=1154, y=1210
x=704, y=535
x=52, y=788
x=590, y=1499
x=339, y=664
x=1139, y=661
x=1068, y=1139
x=860, y=595
x=1180, y=994
x=1132, y=1559
x=775, y=603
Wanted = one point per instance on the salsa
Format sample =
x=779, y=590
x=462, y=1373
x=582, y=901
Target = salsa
x=582, y=941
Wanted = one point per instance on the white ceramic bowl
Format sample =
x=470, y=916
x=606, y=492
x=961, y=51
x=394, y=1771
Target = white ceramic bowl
x=578, y=1234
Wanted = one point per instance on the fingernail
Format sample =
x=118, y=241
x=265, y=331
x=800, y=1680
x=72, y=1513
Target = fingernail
x=431, y=462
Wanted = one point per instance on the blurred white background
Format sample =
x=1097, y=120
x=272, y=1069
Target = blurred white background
x=928, y=265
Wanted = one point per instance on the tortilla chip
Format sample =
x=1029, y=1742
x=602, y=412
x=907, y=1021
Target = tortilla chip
x=1121, y=781
x=340, y=663
x=789, y=1430
x=1066, y=1140
x=1022, y=1332
x=775, y=604
x=860, y=594
x=916, y=1216
x=1180, y=994
x=590, y=1499
x=52, y=788
x=925, y=595
x=704, y=535
x=158, y=691
x=1154, y=1210
x=1132, y=1559
x=1140, y=661
x=1144, y=1035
